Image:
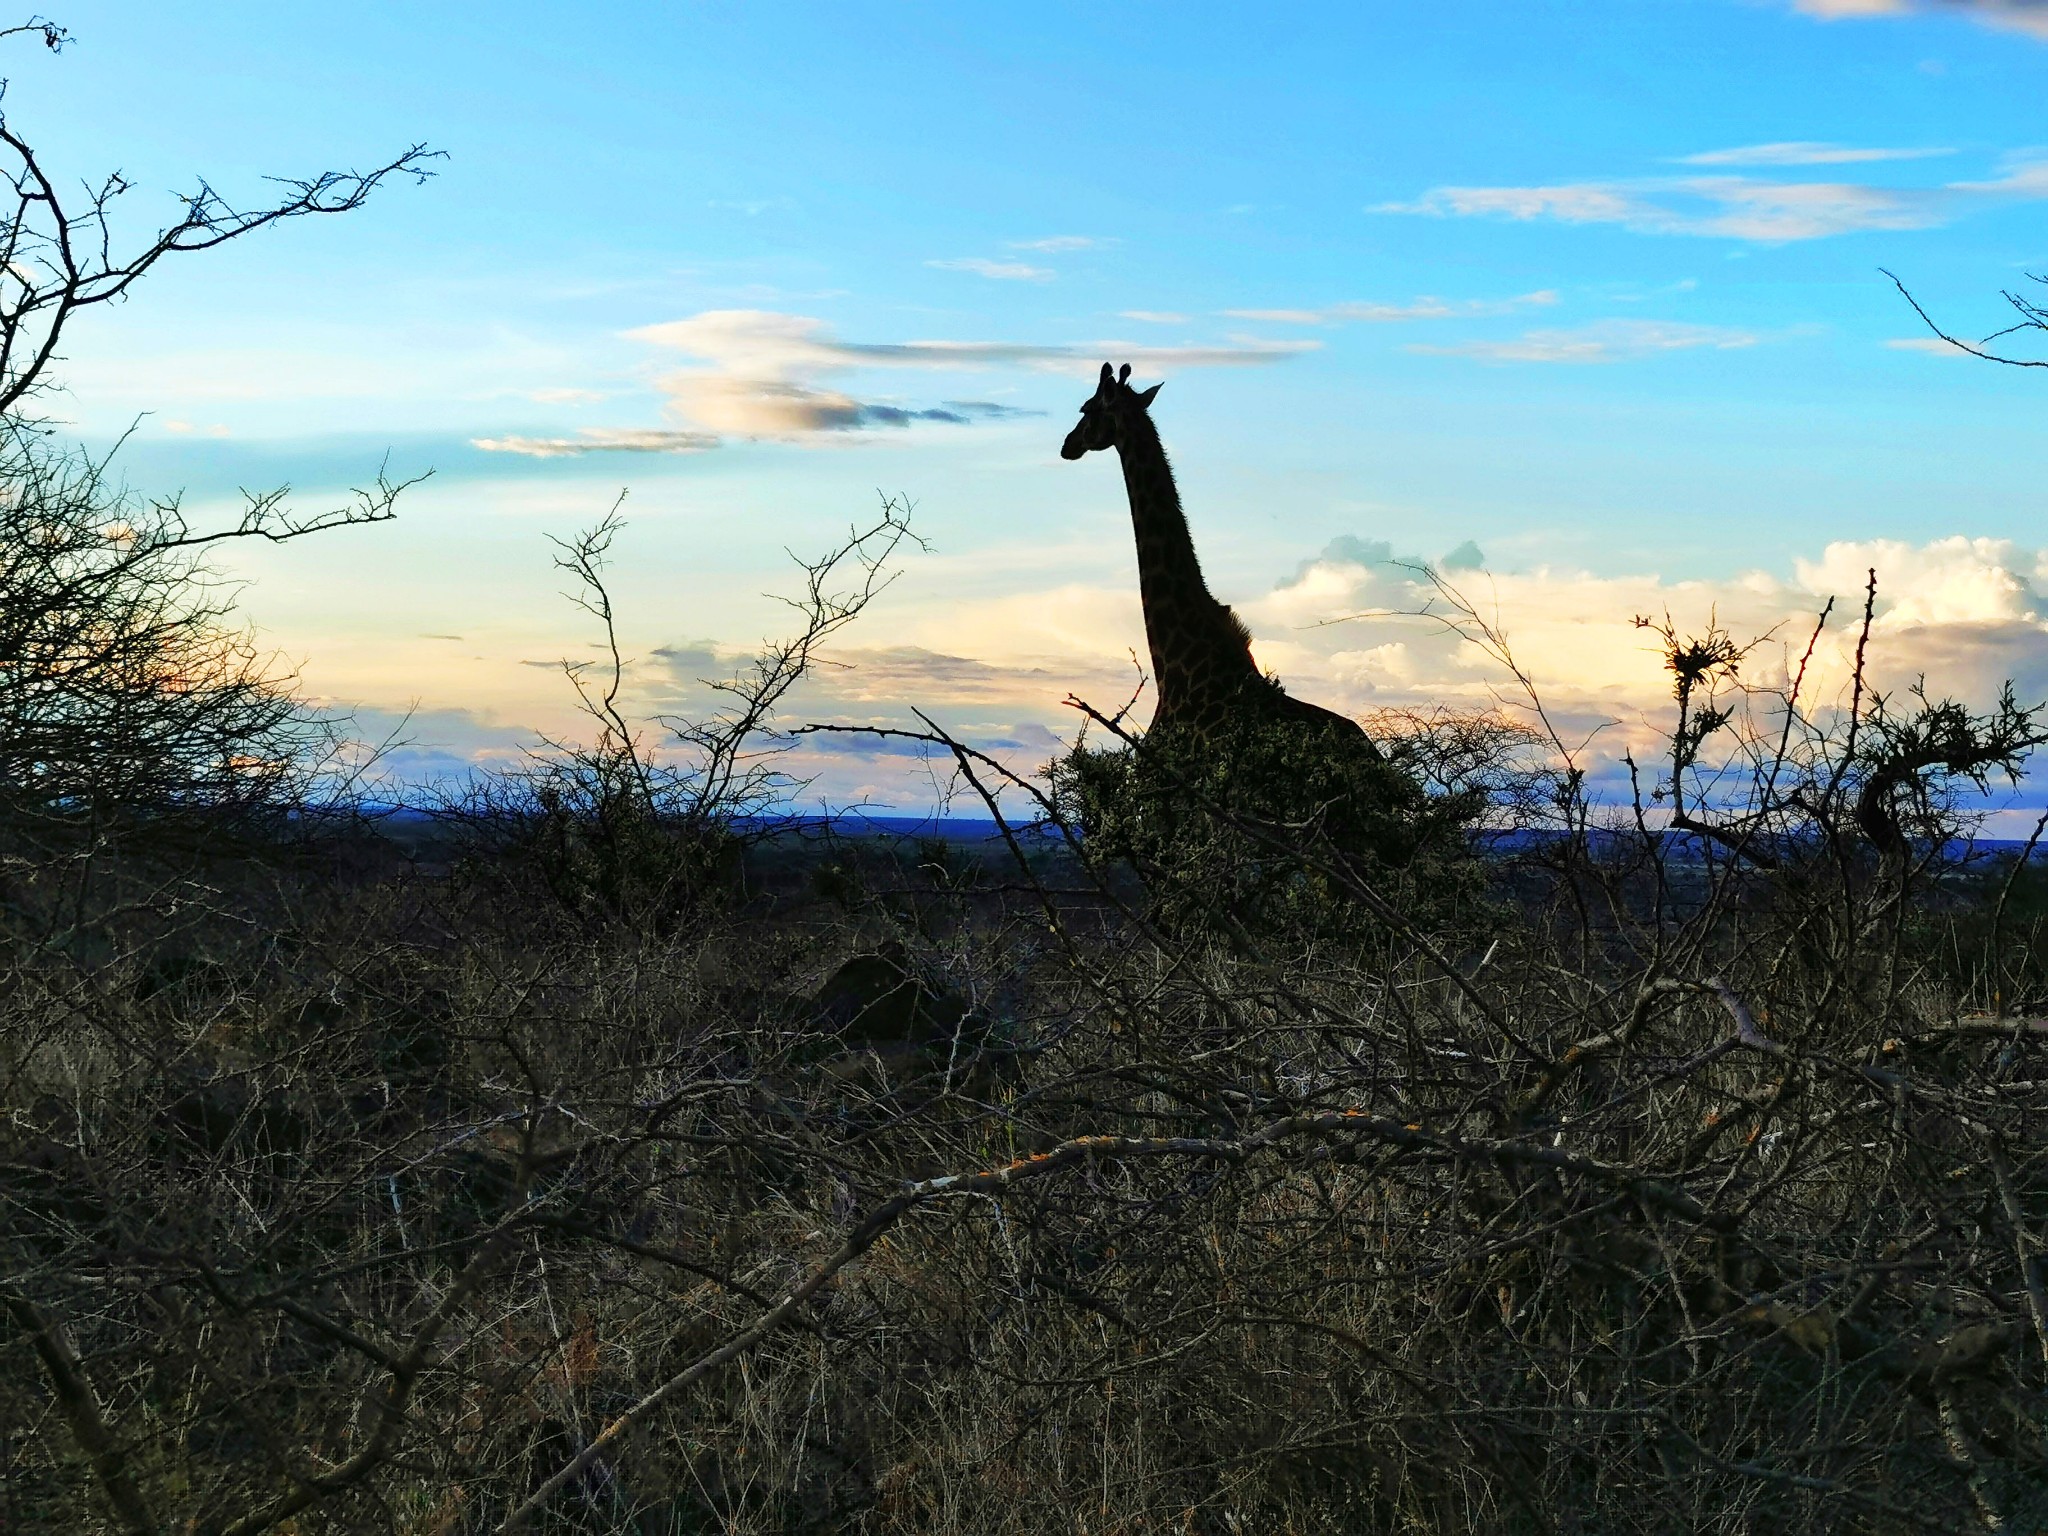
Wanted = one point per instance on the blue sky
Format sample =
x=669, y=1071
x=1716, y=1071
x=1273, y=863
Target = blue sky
x=1592, y=286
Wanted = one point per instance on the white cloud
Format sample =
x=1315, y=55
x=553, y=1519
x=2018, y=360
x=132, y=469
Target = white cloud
x=2029, y=16
x=1931, y=344
x=1804, y=152
x=1053, y=244
x=1742, y=207
x=600, y=440
x=1001, y=271
x=1956, y=580
x=1424, y=308
x=1153, y=316
x=1606, y=341
x=564, y=396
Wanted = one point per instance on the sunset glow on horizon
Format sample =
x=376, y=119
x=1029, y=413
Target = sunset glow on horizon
x=1585, y=314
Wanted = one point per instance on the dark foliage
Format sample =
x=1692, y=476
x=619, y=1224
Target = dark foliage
x=1218, y=827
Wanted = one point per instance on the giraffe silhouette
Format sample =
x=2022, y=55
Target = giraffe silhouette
x=1229, y=750
x=1208, y=683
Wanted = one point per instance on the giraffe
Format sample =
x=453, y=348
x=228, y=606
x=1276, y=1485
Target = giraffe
x=1201, y=652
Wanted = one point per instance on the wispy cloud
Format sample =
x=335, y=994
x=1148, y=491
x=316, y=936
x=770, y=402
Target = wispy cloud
x=784, y=408
x=1804, y=152
x=766, y=373
x=988, y=410
x=1735, y=207
x=1001, y=271
x=754, y=207
x=1931, y=344
x=1425, y=308
x=1153, y=316
x=1606, y=341
x=2029, y=16
x=1053, y=244
x=600, y=440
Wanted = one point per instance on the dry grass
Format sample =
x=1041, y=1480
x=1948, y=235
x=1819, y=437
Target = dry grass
x=363, y=1204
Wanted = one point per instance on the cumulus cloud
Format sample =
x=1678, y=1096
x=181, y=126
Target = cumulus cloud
x=1605, y=341
x=1466, y=557
x=1425, y=308
x=1346, y=550
x=1805, y=152
x=1957, y=580
x=1736, y=207
x=2029, y=16
x=600, y=440
x=1347, y=628
x=1001, y=271
x=765, y=372
x=1969, y=613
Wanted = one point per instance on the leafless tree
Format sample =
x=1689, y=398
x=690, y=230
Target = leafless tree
x=2033, y=317
x=641, y=819
x=60, y=254
x=123, y=680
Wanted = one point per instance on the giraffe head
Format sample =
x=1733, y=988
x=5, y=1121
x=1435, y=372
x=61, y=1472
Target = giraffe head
x=1104, y=413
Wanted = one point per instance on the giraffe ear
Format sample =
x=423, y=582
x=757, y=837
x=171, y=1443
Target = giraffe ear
x=1145, y=397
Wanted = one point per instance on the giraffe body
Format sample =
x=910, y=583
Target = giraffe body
x=1202, y=666
x=1240, y=794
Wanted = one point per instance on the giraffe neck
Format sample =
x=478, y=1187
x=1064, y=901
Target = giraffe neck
x=1201, y=655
